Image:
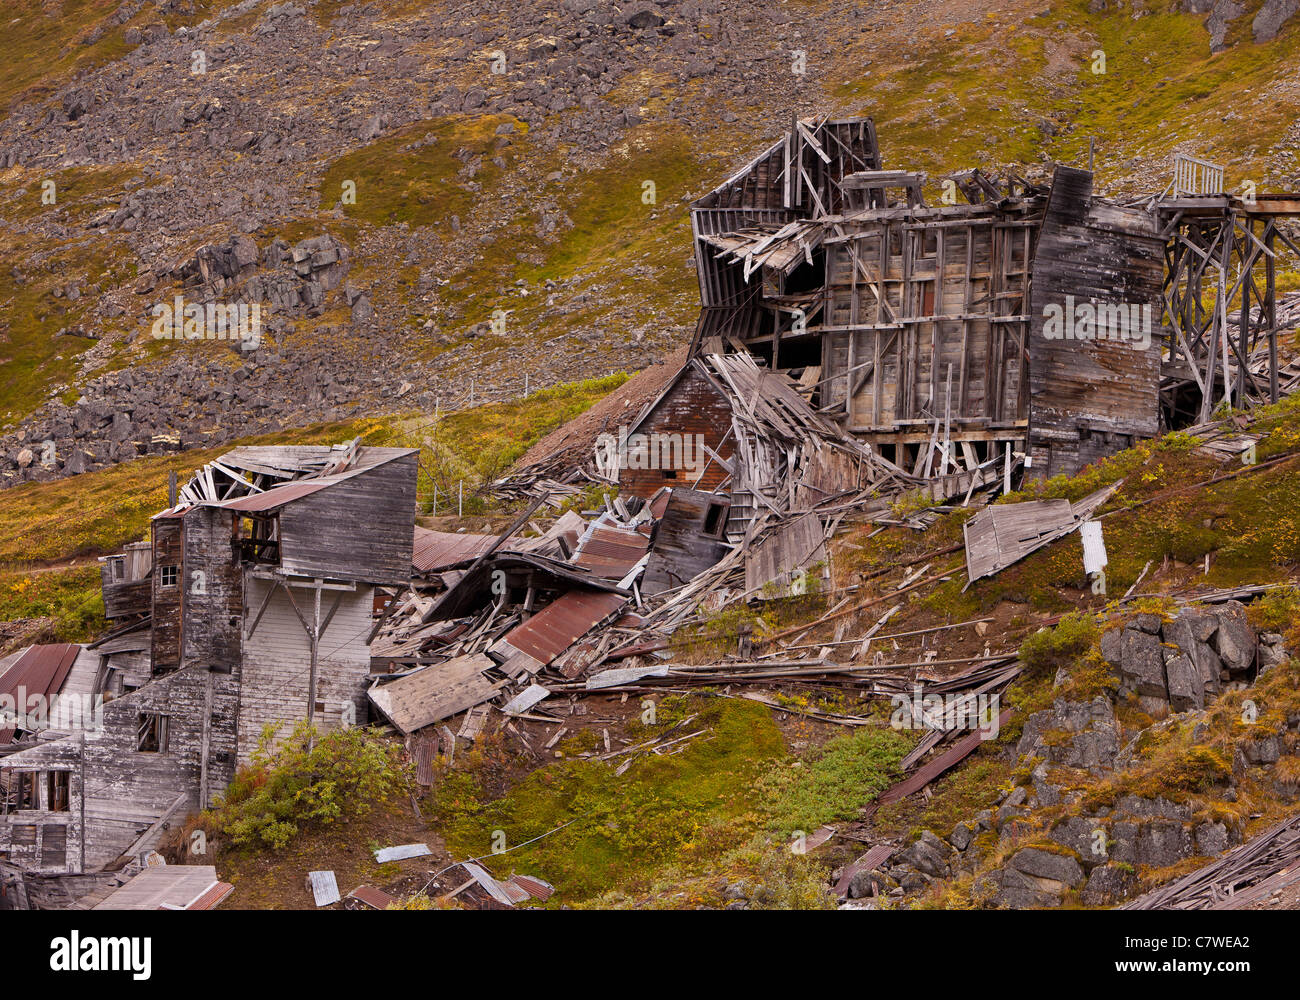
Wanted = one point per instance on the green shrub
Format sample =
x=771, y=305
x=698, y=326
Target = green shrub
x=1048, y=650
x=310, y=780
x=833, y=782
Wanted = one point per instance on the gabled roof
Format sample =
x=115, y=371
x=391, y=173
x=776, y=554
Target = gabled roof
x=251, y=472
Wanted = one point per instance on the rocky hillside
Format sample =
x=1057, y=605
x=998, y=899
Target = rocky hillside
x=433, y=199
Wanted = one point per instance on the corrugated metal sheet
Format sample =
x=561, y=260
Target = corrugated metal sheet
x=503, y=893
x=39, y=671
x=169, y=887
x=400, y=853
x=1094, y=547
x=610, y=551
x=534, y=886
x=437, y=549
x=324, y=887
x=556, y=627
x=372, y=897
x=213, y=897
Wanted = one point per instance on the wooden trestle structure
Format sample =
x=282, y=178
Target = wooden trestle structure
x=1220, y=300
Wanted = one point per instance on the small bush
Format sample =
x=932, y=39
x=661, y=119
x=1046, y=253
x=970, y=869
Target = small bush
x=298, y=784
x=1045, y=652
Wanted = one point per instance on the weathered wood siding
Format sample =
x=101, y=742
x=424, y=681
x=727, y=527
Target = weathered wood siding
x=168, y=548
x=122, y=599
x=117, y=791
x=1091, y=398
x=693, y=406
x=681, y=548
x=916, y=296
x=360, y=529
x=213, y=591
x=277, y=661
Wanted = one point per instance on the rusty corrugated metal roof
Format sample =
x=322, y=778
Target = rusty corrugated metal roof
x=40, y=671
x=438, y=549
x=609, y=550
x=557, y=626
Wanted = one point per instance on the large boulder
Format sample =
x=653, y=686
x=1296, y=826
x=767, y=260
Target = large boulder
x=1234, y=640
x=1009, y=889
x=1041, y=864
x=929, y=855
x=1108, y=884
x=1275, y=13
x=1093, y=741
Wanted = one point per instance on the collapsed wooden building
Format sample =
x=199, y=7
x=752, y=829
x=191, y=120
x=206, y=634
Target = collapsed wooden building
x=854, y=345
x=250, y=611
x=1013, y=322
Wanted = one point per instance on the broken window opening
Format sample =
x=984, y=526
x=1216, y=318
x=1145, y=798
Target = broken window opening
x=23, y=791
x=151, y=733
x=60, y=791
x=715, y=519
x=258, y=537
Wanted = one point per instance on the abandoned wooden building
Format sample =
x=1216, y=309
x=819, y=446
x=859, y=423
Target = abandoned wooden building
x=260, y=589
x=1011, y=322
x=744, y=433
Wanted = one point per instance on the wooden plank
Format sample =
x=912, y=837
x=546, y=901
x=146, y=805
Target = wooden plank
x=435, y=692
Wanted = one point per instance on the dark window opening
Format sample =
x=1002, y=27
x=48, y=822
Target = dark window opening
x=714, y=520
x=799, y=354
x=151, y=733
x=670, y=473
x=60, y=787
x=258, y=537
x=25, y=794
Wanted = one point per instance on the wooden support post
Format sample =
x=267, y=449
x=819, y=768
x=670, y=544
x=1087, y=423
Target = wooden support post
x=1243, y=330
x=1270, y=306
x=314, y=634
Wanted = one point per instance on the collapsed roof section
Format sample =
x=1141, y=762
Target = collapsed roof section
x=726, y=425
x=248, y=477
